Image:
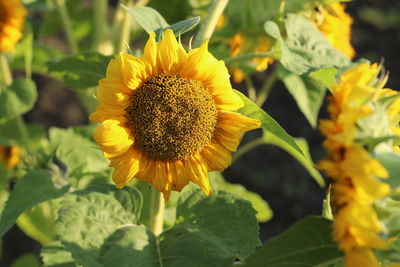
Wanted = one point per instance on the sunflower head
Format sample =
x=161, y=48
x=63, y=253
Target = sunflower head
x=12, y=16
x=168, y=117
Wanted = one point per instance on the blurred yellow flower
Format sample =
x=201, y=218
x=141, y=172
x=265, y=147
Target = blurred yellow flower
x=10, y=156
x=12, y=17
x=336, y=26
x=353, y=171
x=262, y=62
x=167, y=118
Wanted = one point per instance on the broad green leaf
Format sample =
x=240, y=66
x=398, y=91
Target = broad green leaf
x=81, y=71
x=148, y=18
x=237, y=225
x=183, y=245
x=307, y=243
x=391, y=162
x=87, y=217
x=308, y=94
x=304, y=158
x=54, y=254
x=193, y=245
x=325, y=76
x=28, y=259
x=17, y=99
x=130, y=244
x=32, y=189
x=38, y=223
x=304, y=49
x=264, y=213
x=87, y=159
x=267, y=123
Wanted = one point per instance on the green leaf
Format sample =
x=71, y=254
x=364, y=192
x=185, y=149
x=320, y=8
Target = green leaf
x=81, y=71
x=304, y=158
x=17, y=99
x=30, y=190
x=87, y=159
x=182, y=26
x=54, y=254
x=307, y=243
x=308, y=94
x=38, y=223
x=237, y=226
x=148, y=18
x=193, y=245
x=325, y=76
x=87, y=217
x=264, y=213
x=28, y=259
x=304, y=49
x=130, y=244
x=267, y=123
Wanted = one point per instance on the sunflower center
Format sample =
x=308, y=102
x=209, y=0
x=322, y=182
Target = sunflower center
x=172, y=117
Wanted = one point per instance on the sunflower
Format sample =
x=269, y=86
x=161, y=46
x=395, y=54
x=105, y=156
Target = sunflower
x=336, y=26
x=167, y=118
x=10, y=156
x=12, y=16
x=354, y=172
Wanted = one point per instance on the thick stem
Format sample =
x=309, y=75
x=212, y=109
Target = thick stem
x=66, y=21
x=263, y=94
x=207, y=28
x=5, y=70
x=157, y=212
x=123, y=41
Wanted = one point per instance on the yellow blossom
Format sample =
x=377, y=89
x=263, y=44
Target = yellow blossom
x=10, y=155
x=12, y=16
x=168, y=117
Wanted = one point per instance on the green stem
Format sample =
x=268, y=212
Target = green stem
x=102, y=41
x=66, y=21
x=5, y=69
x=248, y=56
x=265, y=90
x=21, y=127
x=123, y=41
x=207, y=28
x=251, y=91
x=157, y=212
x=247, y=147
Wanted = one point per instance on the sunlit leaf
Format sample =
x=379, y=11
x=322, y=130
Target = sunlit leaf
x=27, y=259
x=87, y=217
x=54, y=254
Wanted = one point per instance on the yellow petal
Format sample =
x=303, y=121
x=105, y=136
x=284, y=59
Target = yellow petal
x=126, y=166
x=149, y=57
x=213, y=74
x=104, y=112
x=361, y=258
x=198, y=173
x=171, y=56
x=216, y=156
x=179, y=175
x=113, y=139
x=231, y=126
x=114, y=93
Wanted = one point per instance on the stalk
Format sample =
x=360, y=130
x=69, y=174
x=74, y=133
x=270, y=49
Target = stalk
x=66, y=21
x=123, y=41
x=102, y=41
x=5, y=70
x=264, y=92
x=207, y=28
x=157, y=212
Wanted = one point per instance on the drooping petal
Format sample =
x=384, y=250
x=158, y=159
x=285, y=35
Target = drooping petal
x=216, y=156
x=112, y=92
x=198, y=172
x=126, y=167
